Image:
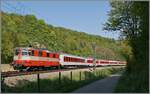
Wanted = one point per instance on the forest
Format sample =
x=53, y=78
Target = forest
x=27, y=30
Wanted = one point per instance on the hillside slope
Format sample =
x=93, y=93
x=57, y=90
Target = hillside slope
x=18, y=30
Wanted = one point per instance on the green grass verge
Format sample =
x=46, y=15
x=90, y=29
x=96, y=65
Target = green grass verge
x=66, y=85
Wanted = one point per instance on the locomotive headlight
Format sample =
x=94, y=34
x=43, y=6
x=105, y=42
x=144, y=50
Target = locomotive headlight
x=27, y=61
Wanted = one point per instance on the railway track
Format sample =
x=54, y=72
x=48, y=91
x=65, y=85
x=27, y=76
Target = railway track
x=17, y=73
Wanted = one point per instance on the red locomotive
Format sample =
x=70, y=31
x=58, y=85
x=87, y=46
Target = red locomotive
x=33, y=58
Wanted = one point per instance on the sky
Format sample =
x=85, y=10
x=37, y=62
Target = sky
x=80, y=15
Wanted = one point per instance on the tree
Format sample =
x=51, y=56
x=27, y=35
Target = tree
x=131, y=19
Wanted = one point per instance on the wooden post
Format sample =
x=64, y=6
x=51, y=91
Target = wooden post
x=85, y=75
x=38, y=82
x=90, y=75
x=2, y=84
x=71, y=76
x=80, y=76
x=100, y=74
x=59, y=77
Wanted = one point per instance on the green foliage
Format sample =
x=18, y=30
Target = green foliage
x=131, y=18
x=22, y=31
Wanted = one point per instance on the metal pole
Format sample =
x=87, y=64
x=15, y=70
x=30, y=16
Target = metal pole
x=71, y=76
x=38, y=80
x=2, y=84
x=59, y=77
x=80, y=76
x=84, y=75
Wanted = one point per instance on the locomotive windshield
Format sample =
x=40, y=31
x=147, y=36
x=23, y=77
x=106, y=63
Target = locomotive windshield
x=16, y=51
x=24, y=52
x=21, y=51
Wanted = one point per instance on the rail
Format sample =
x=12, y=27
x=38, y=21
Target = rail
x=17, y=73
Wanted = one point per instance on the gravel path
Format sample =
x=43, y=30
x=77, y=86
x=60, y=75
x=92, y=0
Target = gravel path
x=6, y=67
x=105, y=85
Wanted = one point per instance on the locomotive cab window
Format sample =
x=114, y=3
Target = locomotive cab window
x=16, y=51
x=24, y=52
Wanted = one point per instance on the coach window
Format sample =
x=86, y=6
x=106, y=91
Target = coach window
x=47, y=54
x=40, y=53
x=54, y=55
x=75, y=60
x=67, y=59
x=80, y=60
x=72, y=59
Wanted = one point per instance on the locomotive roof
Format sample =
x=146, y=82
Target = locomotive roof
x=72, y=55
x=36, y=49
x=31, y=48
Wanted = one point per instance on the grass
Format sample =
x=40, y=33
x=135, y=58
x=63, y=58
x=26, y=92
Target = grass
x=66, y=85
x=133, y=83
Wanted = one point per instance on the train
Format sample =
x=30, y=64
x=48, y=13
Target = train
x=28, y=58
